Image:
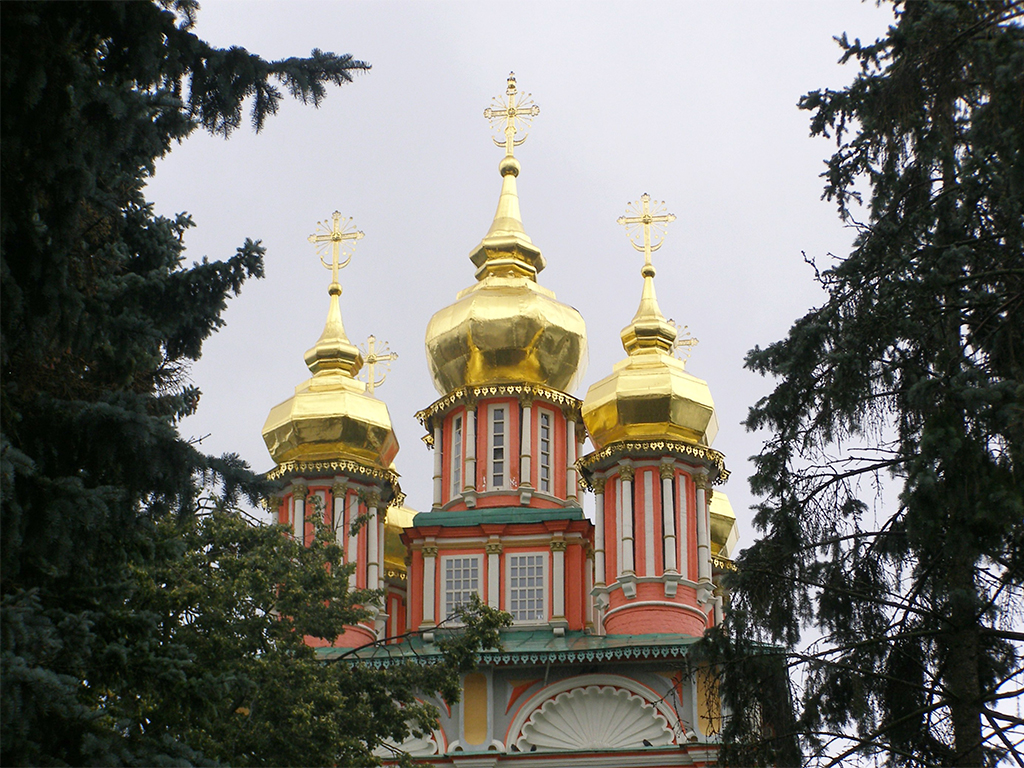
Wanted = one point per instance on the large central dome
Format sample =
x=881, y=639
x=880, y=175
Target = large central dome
x=507, y=328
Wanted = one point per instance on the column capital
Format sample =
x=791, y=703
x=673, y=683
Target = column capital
x=493, y=548
x=626, y=472
x=526, y=399
x=300, y=488
x=339, y=488
x=667, y=470
x=429, y=550
x=558, y=545
x=702, y=482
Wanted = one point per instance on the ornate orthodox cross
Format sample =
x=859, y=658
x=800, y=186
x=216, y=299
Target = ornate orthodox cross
x=651, y=220
x=373, y=358
x=516, y=110
x=339, y=239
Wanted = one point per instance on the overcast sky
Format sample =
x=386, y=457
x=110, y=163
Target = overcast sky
x=693, y=102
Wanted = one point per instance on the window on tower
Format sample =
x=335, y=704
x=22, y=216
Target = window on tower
x=544, y=458
x=498, y=446
x=526, y=588
x=457, y=455
x=461, y=579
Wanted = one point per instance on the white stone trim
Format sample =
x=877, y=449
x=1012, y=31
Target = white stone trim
x=526, y=447
x=438, y=464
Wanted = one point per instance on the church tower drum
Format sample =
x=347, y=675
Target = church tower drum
x=333, y=446
x=652, y=424
x=506, y=521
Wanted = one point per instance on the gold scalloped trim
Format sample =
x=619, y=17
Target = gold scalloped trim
x=631, y=447
x=341, y=465
x=464, y=395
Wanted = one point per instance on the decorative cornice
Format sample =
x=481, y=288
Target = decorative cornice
x=632, y=448
x=503, y=658
x=347, y=466
x=470, y=395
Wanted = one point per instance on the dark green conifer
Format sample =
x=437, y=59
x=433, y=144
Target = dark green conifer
x=133, y=632
x=892, y=520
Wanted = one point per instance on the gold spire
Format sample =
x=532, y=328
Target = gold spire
x=646, y=231
x=333, y=351
x=506, y=248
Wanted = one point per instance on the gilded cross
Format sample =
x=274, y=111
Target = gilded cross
x=683, y=346
x=650, y=220
x=339, y=239
x=373, y=358
x=516, y=110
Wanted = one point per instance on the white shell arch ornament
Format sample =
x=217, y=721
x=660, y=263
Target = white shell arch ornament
x=595, y=717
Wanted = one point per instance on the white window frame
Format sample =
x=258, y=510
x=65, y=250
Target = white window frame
x=549, y=465
x=447, y=608
x=544, y=586
x=505, y=446
x=458, y=422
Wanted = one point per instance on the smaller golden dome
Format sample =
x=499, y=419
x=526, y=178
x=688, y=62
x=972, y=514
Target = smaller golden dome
x=330, y=416
x=724, y=531
x=398, y=519
x=649, y=395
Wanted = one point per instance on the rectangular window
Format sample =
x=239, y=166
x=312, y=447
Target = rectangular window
x=461, y=579
x=544, y=440
x=526, y=587
x=497, y=435
x=456, y=455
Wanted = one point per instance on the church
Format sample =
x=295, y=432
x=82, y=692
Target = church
x=593, y=669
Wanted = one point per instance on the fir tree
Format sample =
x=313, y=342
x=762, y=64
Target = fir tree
x=892, y=518
x=131, y=630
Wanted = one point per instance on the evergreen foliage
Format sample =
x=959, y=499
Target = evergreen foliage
x=132, y=630
x=892, y=517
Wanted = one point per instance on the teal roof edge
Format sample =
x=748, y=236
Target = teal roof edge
x=539, y=646
x=498, y=515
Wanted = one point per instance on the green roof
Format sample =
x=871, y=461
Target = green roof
x=539, y=646
x=495, y=515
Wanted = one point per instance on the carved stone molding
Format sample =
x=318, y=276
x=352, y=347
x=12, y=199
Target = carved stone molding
x=592, y=718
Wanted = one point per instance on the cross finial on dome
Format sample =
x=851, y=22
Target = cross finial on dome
x=333, y=351
x=340, y=240
x=652, y=221
x=373, y=359
x=646, y=229
x=516, y=111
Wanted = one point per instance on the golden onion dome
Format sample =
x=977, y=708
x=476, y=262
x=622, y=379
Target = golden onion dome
x=331, y=416
x=649, y=395
x=724, y=532
x=506, y=327
x=398, y=519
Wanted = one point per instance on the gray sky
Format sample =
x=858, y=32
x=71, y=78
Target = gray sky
x=693, y=102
